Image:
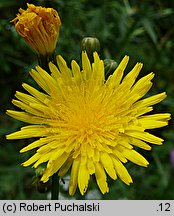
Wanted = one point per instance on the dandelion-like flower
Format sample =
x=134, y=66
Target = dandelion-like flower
x=39, y=26
x=87, y=124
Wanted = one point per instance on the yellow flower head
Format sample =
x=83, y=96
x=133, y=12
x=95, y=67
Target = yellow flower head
x=39, y=26
x=86, y=124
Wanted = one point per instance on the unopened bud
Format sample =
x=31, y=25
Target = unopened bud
x=90, y=45
x=43, y=187
x=40, y=171
x=40, y=186
x=110, y=66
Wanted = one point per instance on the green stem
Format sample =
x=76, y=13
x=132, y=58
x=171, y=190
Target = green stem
x=55, y=187
x=44, y=60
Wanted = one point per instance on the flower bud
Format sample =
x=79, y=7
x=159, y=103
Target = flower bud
x=39, y=26
x=43, y=187
x=40, y=186
x=90, y=45
x=40, y=171
x=110, y=66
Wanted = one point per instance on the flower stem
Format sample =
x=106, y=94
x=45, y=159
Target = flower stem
x=55, y=187
x=44, y=60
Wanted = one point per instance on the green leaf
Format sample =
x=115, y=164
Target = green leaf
x=150, y=30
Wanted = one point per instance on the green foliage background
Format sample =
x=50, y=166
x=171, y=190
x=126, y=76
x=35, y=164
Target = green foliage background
x=142, y=29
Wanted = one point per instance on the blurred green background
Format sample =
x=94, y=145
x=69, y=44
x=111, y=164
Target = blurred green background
x=142, y=29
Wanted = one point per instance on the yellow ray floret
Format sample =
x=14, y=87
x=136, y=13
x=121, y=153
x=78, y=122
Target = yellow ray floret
x=88, y=125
